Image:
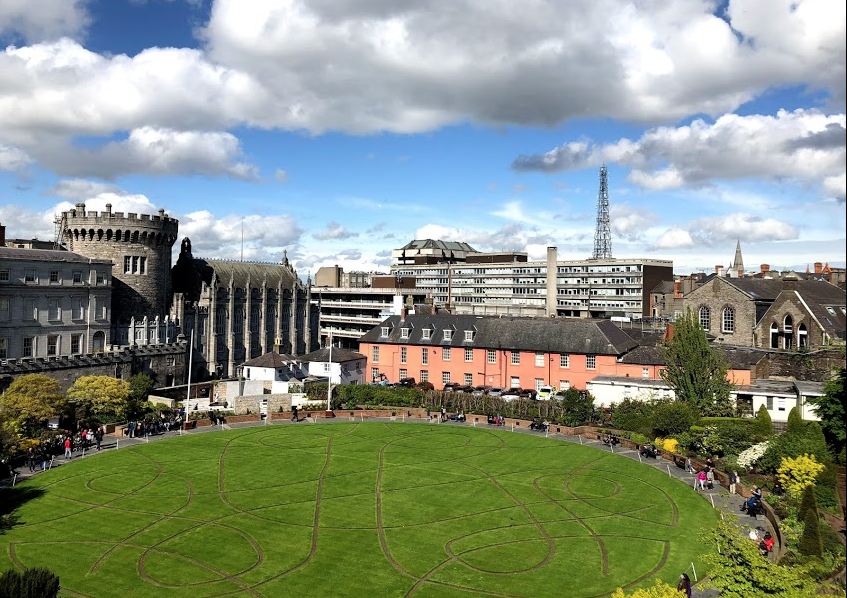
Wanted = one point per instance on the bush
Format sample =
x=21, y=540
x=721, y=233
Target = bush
x=763, y=426
x=11, y=583
x=795, y=474
x=672, y=417
x=806, y=440
x=732, y=434
x=811, y=543
x=634, y=415
x=807, y=503
x=36, y=582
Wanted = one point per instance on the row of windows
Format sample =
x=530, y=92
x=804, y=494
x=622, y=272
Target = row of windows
x=467, y=379
x=490, y=355
x=54, y=309
x=135, y=264
x=727, y=319
x=786, y=334
x=426, y=333
x=53, y=276
x=53, y=345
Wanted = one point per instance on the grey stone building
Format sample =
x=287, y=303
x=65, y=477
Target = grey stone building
x=53, y=304
x=240, y=310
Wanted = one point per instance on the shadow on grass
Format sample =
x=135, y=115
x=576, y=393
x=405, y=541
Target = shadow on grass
x=10, y=500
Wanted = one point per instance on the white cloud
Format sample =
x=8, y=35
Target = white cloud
x=36, y=20
x=836, y=187
x=630, y=222
x=281, y=176
x=81, y=189
x=805, y=144
x=12, y=159
x=213, y=235
x=673, y=238
x=334, y=230
x=749, y=227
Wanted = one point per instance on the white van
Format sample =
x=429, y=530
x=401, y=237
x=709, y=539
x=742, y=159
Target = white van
x=545, y=392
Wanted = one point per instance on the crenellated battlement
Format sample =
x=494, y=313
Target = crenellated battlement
x=90, y=225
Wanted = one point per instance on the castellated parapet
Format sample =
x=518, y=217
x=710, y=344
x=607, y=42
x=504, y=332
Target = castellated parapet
x=139, y=247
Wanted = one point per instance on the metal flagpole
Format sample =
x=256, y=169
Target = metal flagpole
x=329, y=376
x=190, y=366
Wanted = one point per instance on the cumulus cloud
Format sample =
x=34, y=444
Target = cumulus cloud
x=334, y=230
x=221, y=236
x=36, y=20
x=630, y=222
x=673, y=238
x=82, y=189
x=722, y=229
x=805, y=144
x=836, y=187
x=12, y=159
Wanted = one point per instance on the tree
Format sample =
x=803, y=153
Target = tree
x=577, y=407
x=795, y=422
x=738, y=570
x=807, y=503
x=29, y=401
x=811, y=543
x=659, y=590
x=796, y=474
x=696, y=371
x=93, y=395
x=764, y=424
x=673, y=417
x=140, y=386
x=830, y=409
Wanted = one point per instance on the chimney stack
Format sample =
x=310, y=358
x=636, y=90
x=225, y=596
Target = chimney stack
x=765, y=268
x=677, y=289
x=719, y=269
x=818, y=267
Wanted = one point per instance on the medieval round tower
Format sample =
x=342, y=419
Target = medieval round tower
x=139, y=247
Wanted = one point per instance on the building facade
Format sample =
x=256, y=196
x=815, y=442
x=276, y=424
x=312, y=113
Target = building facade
x=235, y=311
x=504, y=352
x=581, y=288
x=53, y=304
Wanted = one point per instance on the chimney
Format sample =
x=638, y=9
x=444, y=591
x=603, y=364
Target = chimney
x=718, y=269
x=677, y=289
x=818, y=267
x=434, y=309
x=2, y=236
x=403, y=313
x=765, y=268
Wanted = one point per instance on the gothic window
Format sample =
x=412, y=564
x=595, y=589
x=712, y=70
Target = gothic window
x=238, y=321
x=220, y=320
x=728, y=320
x=254, y=319
x=705, y=317
x=774, y=336
x=788, y=333
x=802, y=336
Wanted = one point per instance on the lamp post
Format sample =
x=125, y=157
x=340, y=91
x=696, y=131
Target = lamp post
x=329, y=376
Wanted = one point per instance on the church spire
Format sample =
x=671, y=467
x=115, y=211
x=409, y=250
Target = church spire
x=738, y=262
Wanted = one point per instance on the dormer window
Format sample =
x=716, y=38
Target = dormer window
x=426, y=333
x=448, y=334
x=384, y=331
x=404, y=333
x=468, y=335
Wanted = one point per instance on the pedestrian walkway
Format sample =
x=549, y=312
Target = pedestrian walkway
x=719, y=497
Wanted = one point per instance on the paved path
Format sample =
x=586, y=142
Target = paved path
x=719, y=497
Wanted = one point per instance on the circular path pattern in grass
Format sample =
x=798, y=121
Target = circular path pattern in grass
x=347, y=509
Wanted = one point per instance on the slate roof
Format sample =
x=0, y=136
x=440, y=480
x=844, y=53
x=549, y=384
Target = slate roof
x=768, y=387
x=47, y=255
x=438, y=244
x=554, y=335
x=338, y=356
x=644, y=355
x=827, y=303
x=241, y=272
x=270, y=360
x=664, y=288
x=743, y=358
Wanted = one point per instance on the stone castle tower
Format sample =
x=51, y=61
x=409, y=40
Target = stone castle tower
x=139, y=247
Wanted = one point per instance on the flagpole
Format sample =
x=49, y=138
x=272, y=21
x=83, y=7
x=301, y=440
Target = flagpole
x=190, y=366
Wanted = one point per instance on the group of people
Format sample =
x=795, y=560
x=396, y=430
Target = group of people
x=753, y=506
x=540, y=425
x=496, y=420
x=705, y=476
x=610, y=440
x=153, y=425
x=64, y=443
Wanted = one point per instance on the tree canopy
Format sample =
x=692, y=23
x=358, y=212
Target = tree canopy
x=830, y=409
x=695, y=370
x=30, y=401
x=94, y=395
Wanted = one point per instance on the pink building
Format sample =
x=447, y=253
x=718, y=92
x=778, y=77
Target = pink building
x=504, y=352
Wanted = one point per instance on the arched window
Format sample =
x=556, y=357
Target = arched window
x=728, y=320
x=802, y=336
x=787, y=333
x=705, y=318
x=774, y=336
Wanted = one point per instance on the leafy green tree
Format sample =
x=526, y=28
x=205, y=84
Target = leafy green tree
x=807, y=503
x=800, y=440
x=39, y=582
x=30, y=401
x=764, y=424
x=140, y=387
x=634, y=415
x=577, y=407
x=830, y=409
x=93, y=395
x=695, y=370
x=738, y=570
x=659, y=590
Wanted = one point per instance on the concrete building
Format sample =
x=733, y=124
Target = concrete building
x=504, y=352
x=778, y=397
x=611, y=390
x=580, y=288
x=339, y=366
x=53, y=304
x=240, y=310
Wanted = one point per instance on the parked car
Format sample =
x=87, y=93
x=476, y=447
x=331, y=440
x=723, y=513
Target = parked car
x=495, y=392
x=480, y=390
x=465, y=389
x=425, y=386
x=545, y=392
x=451, y=386
x=410, y=382
x=528, y=393
x=513, y=394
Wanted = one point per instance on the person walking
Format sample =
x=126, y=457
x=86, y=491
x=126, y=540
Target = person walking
x=684, y=585
x=733, y=480
x=701, y=479
x=688, y=467
x=30, y=459
x=68, y=448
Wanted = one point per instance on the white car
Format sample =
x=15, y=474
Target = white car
x=495, y=392
x=545, y=392
x=513, y=394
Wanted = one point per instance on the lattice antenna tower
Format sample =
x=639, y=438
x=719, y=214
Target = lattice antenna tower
x=603, y=233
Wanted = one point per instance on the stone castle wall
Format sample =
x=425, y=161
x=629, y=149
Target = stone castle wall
x=115, y=236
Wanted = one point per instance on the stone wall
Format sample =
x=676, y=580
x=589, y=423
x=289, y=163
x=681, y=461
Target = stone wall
x=814, y=367
x=717, y=295
x=253, y=403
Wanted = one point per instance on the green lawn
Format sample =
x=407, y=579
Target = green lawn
x=366, y=509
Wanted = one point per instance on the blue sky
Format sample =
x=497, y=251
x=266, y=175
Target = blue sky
x=337, y=131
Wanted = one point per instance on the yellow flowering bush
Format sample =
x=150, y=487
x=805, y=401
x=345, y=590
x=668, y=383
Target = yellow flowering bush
x=660, y=590
x=796, y=474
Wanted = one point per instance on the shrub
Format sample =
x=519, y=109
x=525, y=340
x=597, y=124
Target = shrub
x=633, y=415
x=660, y=590
x=796, y=473
x=671, y=417
x=11, y=583
x=795, y=422
x=39, y=582
x=748, y=458
x=806, y=440
x=763, y=426
x=732, y=434
x=807, y=503
x=811, y=543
